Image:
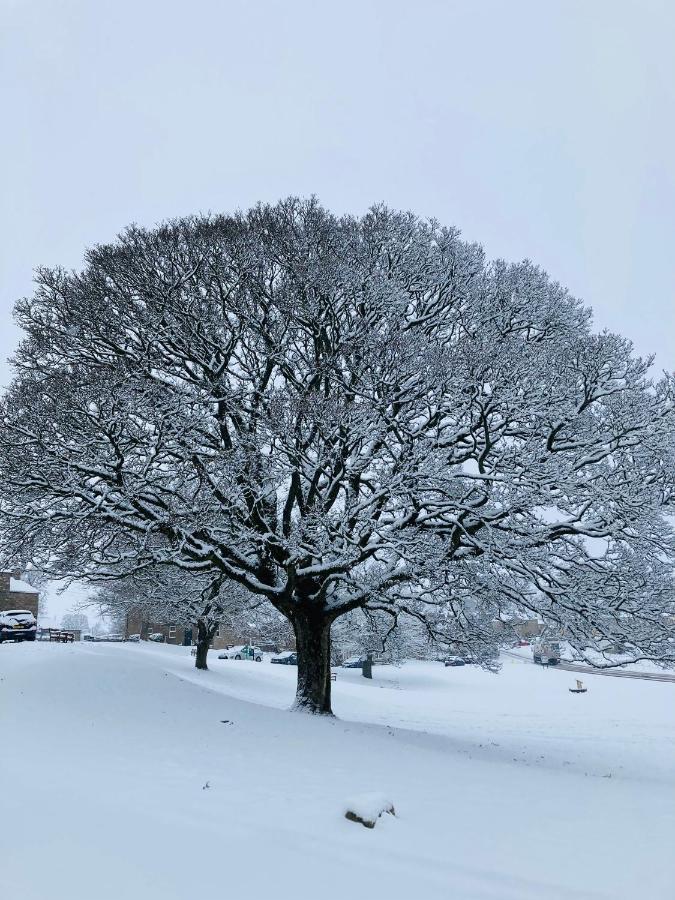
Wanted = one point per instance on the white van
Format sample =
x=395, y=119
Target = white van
x=546, y=653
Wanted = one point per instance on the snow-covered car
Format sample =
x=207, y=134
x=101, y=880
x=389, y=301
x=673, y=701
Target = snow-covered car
x=17, y=625
x=454, y=661
x=156, y=636
x=244, y=651
x=353, y=662
x=546, y=653
x=134, y=638
x=287, y=658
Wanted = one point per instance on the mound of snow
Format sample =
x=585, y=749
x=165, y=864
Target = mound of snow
x=367, y=808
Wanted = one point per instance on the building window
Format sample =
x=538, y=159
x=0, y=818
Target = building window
x=172, y=631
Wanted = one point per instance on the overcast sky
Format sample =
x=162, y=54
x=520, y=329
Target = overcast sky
x=542, y=129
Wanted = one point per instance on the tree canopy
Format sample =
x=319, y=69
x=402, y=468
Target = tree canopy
x=342, y=413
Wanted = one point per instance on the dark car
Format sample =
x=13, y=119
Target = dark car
x=287, y=658
x=17, y=625
x=454, y=661
x=354, y=662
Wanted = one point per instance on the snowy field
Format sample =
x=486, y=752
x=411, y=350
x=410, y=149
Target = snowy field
x=129, y=776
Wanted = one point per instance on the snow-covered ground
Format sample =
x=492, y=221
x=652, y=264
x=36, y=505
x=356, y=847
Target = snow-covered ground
x=126, y=774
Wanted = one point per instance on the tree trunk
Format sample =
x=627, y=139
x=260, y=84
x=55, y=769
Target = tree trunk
x=204, y=638
x=312, y=638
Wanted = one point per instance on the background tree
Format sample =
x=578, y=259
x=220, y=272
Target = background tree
x=339, y=414
x=75, y=621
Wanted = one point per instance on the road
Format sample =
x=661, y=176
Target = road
x=617, y=673
x=614, y=673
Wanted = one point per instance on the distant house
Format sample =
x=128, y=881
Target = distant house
x=521, y=628
x=185, y=635
x=18, y=594
x=137, y=622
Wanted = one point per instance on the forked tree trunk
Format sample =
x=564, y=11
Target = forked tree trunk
x=205, y=635
x=312, y=638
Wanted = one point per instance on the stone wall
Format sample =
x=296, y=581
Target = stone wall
x=16, y=594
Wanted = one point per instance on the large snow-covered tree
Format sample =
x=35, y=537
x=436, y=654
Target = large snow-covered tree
x=341, y=413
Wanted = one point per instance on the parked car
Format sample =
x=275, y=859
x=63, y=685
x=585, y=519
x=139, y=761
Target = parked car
x=88, y=637
x=243, y=651
x=454, y=661
x=157, y=637
x=353, y=662
x=134, y=638
x=546, y=653
x=17, y=625
x=287, y=658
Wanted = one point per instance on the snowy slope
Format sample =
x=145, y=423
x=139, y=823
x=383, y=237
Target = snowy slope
x=505, y=787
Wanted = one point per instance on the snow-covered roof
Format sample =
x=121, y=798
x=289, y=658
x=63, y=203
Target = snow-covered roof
x=15, y=584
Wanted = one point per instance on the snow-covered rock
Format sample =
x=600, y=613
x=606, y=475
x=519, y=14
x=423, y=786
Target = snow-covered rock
x=367, y=808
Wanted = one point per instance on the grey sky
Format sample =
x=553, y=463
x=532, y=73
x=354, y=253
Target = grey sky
x=542, y=129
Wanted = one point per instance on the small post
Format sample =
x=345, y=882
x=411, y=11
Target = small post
x=367, y=666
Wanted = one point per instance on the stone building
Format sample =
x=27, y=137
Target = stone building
x=18, y=594
x=138, y=622
x=522, y=629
